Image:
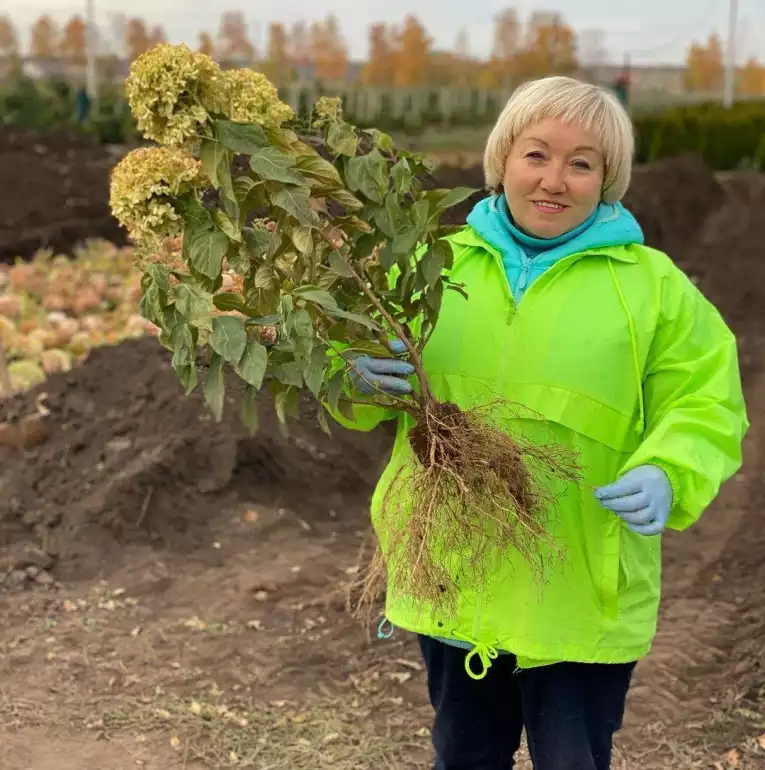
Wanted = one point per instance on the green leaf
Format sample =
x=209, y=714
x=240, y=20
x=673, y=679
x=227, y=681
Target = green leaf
x=387, y=256
x=227, y=301
x=265, y=277
x=452, y=197
x=383, y=141
x=258, y=240
x=253, y=363
x=339, y=264
x=302, y=324
x=319, y=296
x=434, y=297
x=154, y=287
x=290, y=373
x=342, y=139
x=313, y=370
x=214, y=388
x=390, y=218
x=406, y=241
x=346, y=409
x=243, y=138
x=228, y=337
x=402, y=177
x=335, y=388
x=184, y=355
x=368, y=174
x=343, y=197
x=420, y=214
x=302, y=237
x=295, y=201
x=274, y=165
x=432, y=264
x=225, y=225
x=321, y=417
x=250, y=409
x=216, y=161
x=194, y=304
x=363, y=320
x=320, y=169
x=206, y=252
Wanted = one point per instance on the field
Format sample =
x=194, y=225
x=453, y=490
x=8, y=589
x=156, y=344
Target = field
x=172, y=591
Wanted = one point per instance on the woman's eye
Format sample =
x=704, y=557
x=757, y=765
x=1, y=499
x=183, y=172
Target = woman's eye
x=582, y=165
x=535, y=155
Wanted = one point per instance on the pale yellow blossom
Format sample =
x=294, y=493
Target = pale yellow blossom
x=143, y=186
x=252, y=98
x=172, y=90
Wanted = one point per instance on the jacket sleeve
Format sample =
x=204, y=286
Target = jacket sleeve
x=695, y=412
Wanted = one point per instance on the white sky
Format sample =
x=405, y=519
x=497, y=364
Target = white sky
x=651, y=31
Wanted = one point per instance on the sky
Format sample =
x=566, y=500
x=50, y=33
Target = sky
x=649, y=31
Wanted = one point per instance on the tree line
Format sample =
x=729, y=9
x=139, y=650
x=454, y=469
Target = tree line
x=399, y=54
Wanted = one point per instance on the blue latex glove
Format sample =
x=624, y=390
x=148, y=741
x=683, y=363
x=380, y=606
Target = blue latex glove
x=642, y=497
x=372, y=375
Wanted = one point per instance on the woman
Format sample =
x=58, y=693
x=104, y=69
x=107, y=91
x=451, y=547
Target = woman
x=569, y=314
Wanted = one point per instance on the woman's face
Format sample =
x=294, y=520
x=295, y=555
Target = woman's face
x=553, y=178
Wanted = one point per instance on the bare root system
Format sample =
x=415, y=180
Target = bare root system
x=477, y=494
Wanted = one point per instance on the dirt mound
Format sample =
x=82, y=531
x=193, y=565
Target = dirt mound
x=671, y=199
x=55, y=192
x=130, y=456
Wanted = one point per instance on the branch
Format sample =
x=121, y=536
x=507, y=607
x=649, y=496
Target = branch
x=397, y=328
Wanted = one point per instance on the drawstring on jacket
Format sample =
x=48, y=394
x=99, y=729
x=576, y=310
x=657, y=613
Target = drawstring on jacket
x=633, y=343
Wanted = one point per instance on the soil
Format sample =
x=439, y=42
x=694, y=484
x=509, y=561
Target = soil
x=173, y=591
x=55, y=192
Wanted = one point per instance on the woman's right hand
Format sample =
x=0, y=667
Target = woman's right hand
x=387, y=375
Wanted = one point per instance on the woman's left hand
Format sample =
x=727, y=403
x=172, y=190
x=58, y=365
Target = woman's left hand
x=642, y=497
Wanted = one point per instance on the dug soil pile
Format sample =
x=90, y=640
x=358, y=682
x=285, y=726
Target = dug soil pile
x=54, y=192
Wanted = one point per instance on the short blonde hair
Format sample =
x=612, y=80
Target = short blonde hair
x=583, y=104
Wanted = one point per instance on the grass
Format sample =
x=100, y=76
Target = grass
x=338, y=731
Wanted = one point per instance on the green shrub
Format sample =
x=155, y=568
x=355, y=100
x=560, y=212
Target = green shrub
x=725, y=138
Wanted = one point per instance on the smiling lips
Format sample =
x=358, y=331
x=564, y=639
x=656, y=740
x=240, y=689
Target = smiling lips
x=548, y=207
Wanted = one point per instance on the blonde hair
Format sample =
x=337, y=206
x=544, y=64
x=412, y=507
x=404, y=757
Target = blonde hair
x=583, y=104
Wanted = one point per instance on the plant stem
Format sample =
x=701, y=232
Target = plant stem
x=398, y=329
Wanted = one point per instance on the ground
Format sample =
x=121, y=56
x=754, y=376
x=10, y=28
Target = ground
x=173, y=591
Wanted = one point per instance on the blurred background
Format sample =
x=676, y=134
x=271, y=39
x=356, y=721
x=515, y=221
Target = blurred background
x=436, y=77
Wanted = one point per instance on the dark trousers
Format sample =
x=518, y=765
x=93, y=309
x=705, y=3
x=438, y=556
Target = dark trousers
x=570, y=711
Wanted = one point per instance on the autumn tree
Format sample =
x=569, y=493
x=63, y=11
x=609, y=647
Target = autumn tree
x=9, y=42
x=73, y=44
x=752, y=78
x=704, y=66
x=157, y=35
x=206, y=45
x=500, y=70
x=460, y=59
x=234, y=43
x=43, y=42
x=551, y=47
x=329, y=53
x=137, y=38
x=411, y=61
x=378, y=70
x=299, y=45
x=278, y=67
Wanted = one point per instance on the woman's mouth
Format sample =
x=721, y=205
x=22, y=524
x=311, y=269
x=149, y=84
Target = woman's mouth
x=548, y=207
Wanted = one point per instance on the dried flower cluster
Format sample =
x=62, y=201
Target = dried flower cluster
x=171, y=91
x=142, y=186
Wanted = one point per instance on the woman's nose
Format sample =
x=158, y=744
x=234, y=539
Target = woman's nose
x=553, y=179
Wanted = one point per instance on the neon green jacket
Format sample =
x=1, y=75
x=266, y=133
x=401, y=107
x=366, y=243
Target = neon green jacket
x=627, y=363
